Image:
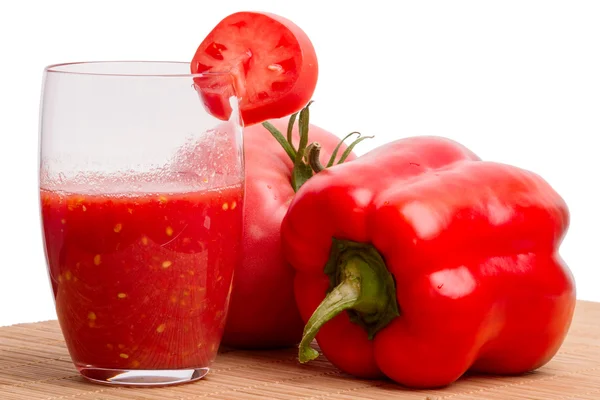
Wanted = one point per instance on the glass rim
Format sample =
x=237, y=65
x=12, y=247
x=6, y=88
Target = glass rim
x=55, y=69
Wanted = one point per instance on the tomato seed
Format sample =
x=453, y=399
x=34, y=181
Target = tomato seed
x=288, y=65
x=283, y=42
x=214, y=50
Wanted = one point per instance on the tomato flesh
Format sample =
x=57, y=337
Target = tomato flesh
x=142, y=281
x=273, y=63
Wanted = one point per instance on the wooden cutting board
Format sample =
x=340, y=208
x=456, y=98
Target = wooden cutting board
x=34, y=364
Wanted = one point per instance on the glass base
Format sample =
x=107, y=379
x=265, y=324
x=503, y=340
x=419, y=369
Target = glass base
x=142, y=378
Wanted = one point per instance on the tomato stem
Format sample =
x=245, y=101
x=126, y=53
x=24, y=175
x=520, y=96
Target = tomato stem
x=337, y=148
x=289, y=149
x=313, y=157
x=302, y=171
x=348, y=150
x=290, y=129
x=303, y=124
x=306, y=156
x=314, y=152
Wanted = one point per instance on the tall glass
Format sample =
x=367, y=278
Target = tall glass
x=141, y=204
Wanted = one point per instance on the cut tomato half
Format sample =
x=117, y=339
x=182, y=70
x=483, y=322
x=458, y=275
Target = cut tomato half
x=271, y=61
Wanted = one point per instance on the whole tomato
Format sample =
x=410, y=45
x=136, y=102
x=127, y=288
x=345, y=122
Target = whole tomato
x=263, y=311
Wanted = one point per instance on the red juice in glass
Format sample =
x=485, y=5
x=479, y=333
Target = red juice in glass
x=141, y=193
x=142, y=280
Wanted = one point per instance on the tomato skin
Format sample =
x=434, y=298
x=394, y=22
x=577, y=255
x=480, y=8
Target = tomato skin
x=248, y=61
x=263, y=312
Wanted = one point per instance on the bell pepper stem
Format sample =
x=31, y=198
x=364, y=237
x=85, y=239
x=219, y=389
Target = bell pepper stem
x=342, y=297
x=360, y=285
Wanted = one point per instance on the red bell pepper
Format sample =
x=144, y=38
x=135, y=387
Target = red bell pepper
x=418, y=261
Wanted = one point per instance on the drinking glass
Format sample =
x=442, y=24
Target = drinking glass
x=141, y=193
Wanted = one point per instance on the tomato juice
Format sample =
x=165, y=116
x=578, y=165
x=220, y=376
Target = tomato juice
x=142, y=280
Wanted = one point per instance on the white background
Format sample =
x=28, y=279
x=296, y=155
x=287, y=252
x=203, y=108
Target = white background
x=516, y=81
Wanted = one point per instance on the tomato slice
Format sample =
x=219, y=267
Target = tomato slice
x=272, y=60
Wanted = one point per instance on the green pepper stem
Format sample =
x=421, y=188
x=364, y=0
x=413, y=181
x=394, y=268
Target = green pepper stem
x=360, y=285
x=343, y=297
